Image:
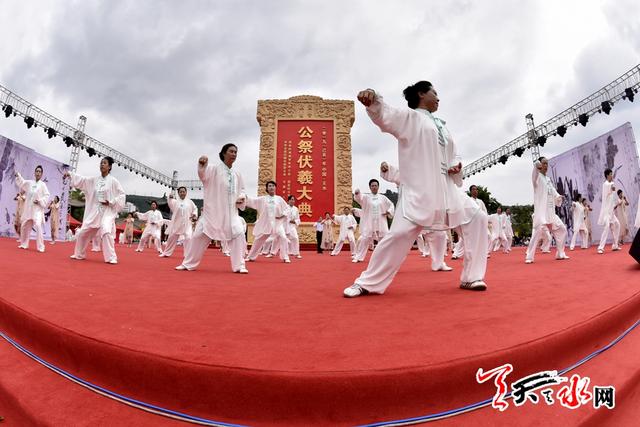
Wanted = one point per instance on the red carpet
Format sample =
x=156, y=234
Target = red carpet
x=281, y=346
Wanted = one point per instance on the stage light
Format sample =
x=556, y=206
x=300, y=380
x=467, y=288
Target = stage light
x=29, y=121
x=519, y=151
x=541, y=140
x=629, y=94
x=561, y=130
x=503, y=159
x=91, y=151
x=606, y=107
x=68, y=141
x=583, y=119
x=51, y=133
x=8, y=109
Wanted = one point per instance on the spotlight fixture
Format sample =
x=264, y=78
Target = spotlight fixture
x=91, y=151
x=503, y=159
x=519, y=151
x=561, y=130
x=629, y=94
x=29, y=121
x=51, y=133
x=606, y=107
x=8, y=109
x=68, y=141
x=541, y=140
x=583, y=119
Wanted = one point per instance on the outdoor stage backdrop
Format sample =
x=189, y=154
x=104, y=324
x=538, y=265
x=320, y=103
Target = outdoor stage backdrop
x=581, y=170
x=14, y=158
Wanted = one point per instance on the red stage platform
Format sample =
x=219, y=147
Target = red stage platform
x=281, y=346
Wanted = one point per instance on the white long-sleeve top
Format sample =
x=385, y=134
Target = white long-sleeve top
x=154, y=220
x=293, y=215
x=497, y=225
x=545, y=198
x=36, y=196
x=346, y=222
x=222, y=188
x=97, y=189
x=375, y=208
x=269, y=209
x=609, y=203
x=429, y=194
x=508, y=228
x=182, y=210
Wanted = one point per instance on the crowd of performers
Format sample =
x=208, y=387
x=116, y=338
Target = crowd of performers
x=431, y=204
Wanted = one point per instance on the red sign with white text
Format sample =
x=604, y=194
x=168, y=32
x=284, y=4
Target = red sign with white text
x=304, y=165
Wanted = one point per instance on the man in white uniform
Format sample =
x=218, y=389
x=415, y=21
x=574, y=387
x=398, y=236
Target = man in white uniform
x=224, y=194
x=607, y=216
x=498, y=236
x=546, y=198
x=429, y=197
x=104, y=198
x=348, y=225
x=183, y=212
x=508, y=230
x=36, y=196
x=152, y=228
x=293, y=221
x=272, y=216
x=579, y=225
x=376, y=208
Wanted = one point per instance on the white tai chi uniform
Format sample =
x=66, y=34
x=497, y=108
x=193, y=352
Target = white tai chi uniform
x=291, y=229
x=458, y=248
x=498, y=236
x=98, y=218
x=545, y=199
x=182, y=211
x=607, y=217
x=272, y=215
x=348, y=226
x=429, y=197
x=219, y=220
x=36, y=196
x=151, y=229
x=508, y=232
x=434, y=242
x=579, y=226
x=373, y=221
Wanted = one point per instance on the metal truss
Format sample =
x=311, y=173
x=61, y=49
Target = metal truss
x=603, y=100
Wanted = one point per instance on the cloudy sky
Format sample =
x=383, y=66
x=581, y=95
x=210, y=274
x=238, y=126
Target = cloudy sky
x=166, y=81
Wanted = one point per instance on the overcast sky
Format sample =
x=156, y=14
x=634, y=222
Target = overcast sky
x=166, y=81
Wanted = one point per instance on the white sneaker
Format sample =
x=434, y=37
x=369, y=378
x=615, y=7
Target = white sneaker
x=600, y=251
x=287, y=261
x=76, y=257
x=617, y=248
x=112, y=261
x=546, y=252
x=443, y=267
x=268, y=256
x=298, y=257
x=355, y=290
x=355, y=261
x=181, y=268
x=242, y=271
x=478, y=285
x=528, y=261
x=561, y=257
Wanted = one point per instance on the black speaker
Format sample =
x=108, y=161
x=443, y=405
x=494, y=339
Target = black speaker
x=635, y=248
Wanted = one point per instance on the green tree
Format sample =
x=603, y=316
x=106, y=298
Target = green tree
x=485, y=195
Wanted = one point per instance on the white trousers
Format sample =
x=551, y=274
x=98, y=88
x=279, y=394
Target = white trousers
x=458, y=248
x=363, y=243
x=615, y=225
x=146, y=235
x=294, y=242
x=497, y=241
x=352, y=243
x=584, y=237
x=171, y=244
x=437, y=243
x=280, y=243
x=25, y=232
x=423, y=247
x=546, y=240
x=559, y=232
x=195, y=248
x=84, y=237
x=391, y=252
